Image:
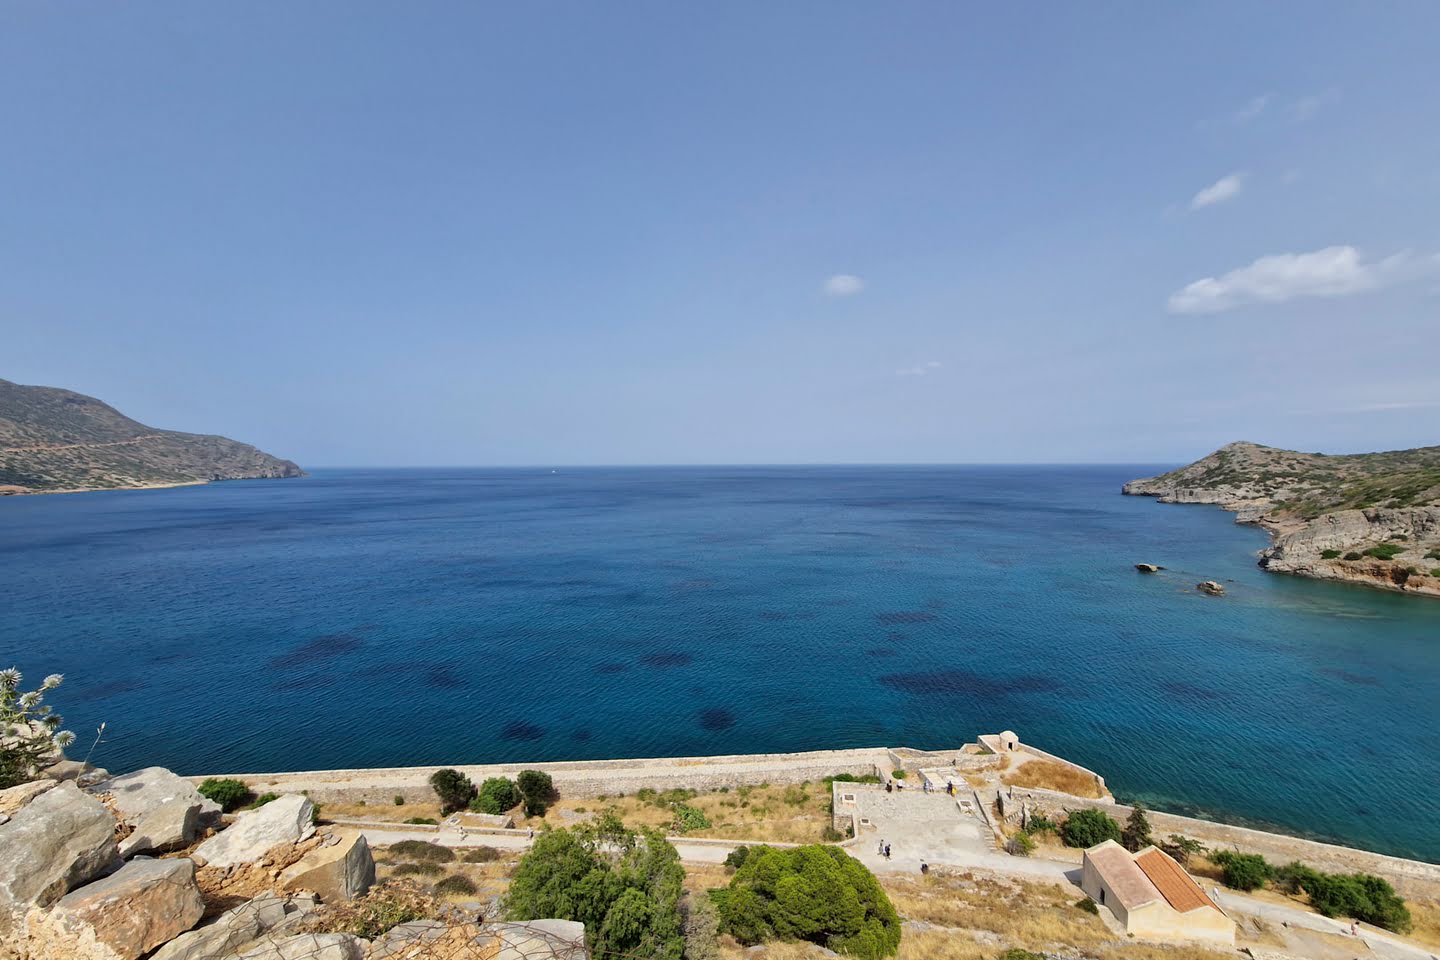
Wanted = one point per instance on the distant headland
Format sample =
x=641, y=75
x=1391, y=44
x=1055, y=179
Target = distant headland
x=1367, y=518
x=59, y=441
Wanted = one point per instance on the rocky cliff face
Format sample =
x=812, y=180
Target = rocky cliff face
x=54, y=440
x=1371, y=519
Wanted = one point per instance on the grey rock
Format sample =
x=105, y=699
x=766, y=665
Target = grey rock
x=170, y=826
x=285, y=820
x=340, y=870
x=237, y=928
x=551, y=939
x=402, y=935
x=14, y=798
x=310, y=946
x=123, y=916
x=136, y=794
x=81, y=773
x=58, y=841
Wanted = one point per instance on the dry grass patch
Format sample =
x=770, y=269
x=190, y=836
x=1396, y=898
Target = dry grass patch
x=1016, y=913
x=384, y=812
x=1049, y=775
x=797, y=813
x=1425, y=914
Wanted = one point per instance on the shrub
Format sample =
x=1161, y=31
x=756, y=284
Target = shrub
x=1383, y=551
x=702, y=929
x=1085, y=828
x=30, y=738
x=422, y=850
x=689, y=818
x=418, y=870
x=481, y=855
x=1088, y=906
x=1433, y=554
x=624, y=886
x=1017, y=954
x=455, y=885
x=399, y=800
x=1329, y=554
x=1362, y=896
x=853, y=778
x=1020, y=845
x=423, y=821
x=496, y=795
x=1352, y=555
x=1136, y=834
x=898, y=774
x=263, y=799
x=829, y=834
x=453, y=788
x=387, y=905
x=1295, y=877
x=1039, y=824
x=1435, y=572
x=1242, y=871
x=226, y=792
x=736, y=858
x=538, y=791
x=814, y=893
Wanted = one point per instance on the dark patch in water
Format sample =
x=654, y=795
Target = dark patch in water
x=610, y=668
x=1190, y=692
x=1355, y=678
x=101, y=691
x=716, y=718
x=444, y=678
x=773, y=615
x=321, y=648
x=521, y=730
x=895, y=636
x=880, y=652
x=905, y=616
x=581, y=736
x=950, y=683
x=667, y=660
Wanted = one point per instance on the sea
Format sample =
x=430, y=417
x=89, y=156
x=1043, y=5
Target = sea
x=360, y=618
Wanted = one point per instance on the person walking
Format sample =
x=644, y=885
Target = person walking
x=924, y=867
x=887, y=851
x=881, y=849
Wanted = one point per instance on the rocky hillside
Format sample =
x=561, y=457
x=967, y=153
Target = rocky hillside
x=1368, y=518
x=54, y=440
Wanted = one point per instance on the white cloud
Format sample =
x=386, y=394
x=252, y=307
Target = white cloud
x=1252, y=109
x=843, y=285
x=1306, y=107
x=1331, y=272
x=919, y=370
x=1226, y=188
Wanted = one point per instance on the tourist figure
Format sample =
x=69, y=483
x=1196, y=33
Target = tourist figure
x=881, y=849
x=889, y=786
x=924, y=867
x=532, y=833
x=887, y=851
x=1354, y=930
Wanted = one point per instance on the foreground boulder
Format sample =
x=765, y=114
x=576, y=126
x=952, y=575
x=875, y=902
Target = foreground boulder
x=137, y=794
x=56, y=842
x=310, y=946
x=127, y=914
x=14, y=798
x=551, y=939
x=286, y=820
x=237, y=928
x=415, y=933
x=342, y=869
x=170, y=826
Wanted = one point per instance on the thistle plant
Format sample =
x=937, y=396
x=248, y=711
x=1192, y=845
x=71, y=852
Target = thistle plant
x=30, y=734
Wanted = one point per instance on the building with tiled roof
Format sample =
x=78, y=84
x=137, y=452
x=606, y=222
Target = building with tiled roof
x=1152, y=896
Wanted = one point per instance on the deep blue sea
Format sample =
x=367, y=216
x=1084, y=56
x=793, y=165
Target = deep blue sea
x=382, y=617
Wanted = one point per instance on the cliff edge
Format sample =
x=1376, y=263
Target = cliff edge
x=55, y=441
x=1368, y=518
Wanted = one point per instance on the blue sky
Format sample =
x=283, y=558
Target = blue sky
x=455, y=233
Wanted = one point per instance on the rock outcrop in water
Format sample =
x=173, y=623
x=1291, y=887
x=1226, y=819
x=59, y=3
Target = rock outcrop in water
x=1371, y=519
x=54, y=441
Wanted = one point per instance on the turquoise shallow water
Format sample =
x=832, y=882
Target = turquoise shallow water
x=368, y=618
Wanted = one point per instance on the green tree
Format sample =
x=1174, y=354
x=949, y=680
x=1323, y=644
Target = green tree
x=30, y=738
x=624, y=886
x=496, y=795
x=1085, y=828
x=1359, y=895
x=538, y=791
x=815, y=893
x=1136, y=835
x=1242, y=871
x=453, y=788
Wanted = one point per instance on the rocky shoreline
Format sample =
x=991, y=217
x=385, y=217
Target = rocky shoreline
x=1386, y=548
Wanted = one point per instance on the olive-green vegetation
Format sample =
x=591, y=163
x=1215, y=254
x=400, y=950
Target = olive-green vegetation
x=1360, y=895
x=1085, y=828
x=421, y=850
x=30, y=734
x=52, y=439
x=1136, y=835
x=1242, y=871
x=815, y=893
x=495, y=796
x=453, y=788
x=227, y=792
x=1384, y=551
x=537, y=789
x=623, y=885
x=1329, y=554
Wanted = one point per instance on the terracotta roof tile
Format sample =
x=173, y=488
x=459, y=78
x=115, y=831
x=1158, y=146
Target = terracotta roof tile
x=1177, y=887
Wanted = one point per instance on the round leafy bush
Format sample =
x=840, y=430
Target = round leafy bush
x=399, y=800
x=228, y=793
x=1018, y=954
x=453, y=788
x=422, y=821
x=481, y=855
x=736, y=858
x=1352, y=555
x=418, y=870
x=1329, y=554
x=455, y=885
x=814, y=893
x=1088, y=906
x=1085, y=828
x=688, y=818
x=1242, y=871
x=538, y=791
x=496, y=796
x=263, y=799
